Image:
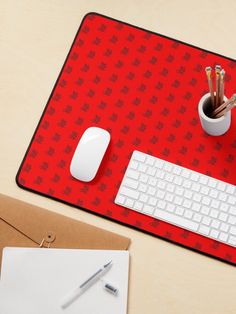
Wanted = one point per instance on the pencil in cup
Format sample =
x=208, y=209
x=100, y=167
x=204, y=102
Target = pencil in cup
x=210, y=84
x=218, y=84
x=224, y=108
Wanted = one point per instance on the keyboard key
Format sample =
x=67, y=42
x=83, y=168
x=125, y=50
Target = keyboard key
x=205, y=210
x=223, y=237
x=232, y=200
x=129, y=203
x=223, y=197
x=187, y=184
x=197, y=217
x=214, y=233
x=232, y=220
x=232, y=210
x=180, y=221
x=233, y=230
x=187, y=203
x=197, y=197
x=139, y=157
x=151, y=171
x=204, y=190
x=142, y=168
x=151, y=191
x=159, y=163
x=204, y=230
x=161, y=204
x=206, y=200
x=188, y=214
x=143, y=178
x=194, y=176
x=221, y=186
x=213, y=194
x=161, y=184
x=152, y=181
x=214, y=213
x=177, y=170
x=232, y=240
x=224, y=227
x=178, y=181
x=224, y=207
x=150, y=161
x=170, y=188
x=152, y=201
x=160, y=174
x=230, y=189
x=142, y=187
x=133, y=164
x=147, y=209
x=196, y=187
x=185, y=173
x=138, y=206
x=196, y=207
x=130, y=183
x=188, y=194
x=169, y=177
x=169, y=197
x=170, y=207
x=212, y=183
x=130, y=193
x=167, y=167
x=179, y=191
x=120, y=199
x=215, y=224
x=179, y=211
x=206, y=221
x=178, y=200
x=223, y=216
x=143, y=198
x=203, y=180
x=160, y=194
x=132, y=174
x=215, y=204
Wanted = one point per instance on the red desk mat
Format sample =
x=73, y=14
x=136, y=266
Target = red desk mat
x=144, y=89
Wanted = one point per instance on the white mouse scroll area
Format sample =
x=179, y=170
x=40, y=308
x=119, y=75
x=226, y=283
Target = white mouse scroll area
x=89, y=154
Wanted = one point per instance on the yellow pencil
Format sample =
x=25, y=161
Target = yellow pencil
x=217, y=71
x=222, y=82
x=209, y=79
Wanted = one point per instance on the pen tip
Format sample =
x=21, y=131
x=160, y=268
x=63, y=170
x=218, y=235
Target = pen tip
x=107, y=264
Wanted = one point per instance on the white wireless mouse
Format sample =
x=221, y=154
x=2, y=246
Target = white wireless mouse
x=89, y=153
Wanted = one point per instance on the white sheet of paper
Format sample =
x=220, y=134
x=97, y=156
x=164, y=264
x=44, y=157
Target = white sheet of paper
x=34, y=281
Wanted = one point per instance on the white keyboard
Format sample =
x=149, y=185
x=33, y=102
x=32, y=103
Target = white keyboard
x=180, y=196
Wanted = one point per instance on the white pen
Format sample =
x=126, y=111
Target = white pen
x=74, y=294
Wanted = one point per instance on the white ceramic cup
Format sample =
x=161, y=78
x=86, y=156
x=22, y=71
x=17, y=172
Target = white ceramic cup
x=212, y=126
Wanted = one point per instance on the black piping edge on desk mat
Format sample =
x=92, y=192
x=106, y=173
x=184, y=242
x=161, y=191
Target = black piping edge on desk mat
x=88, y=210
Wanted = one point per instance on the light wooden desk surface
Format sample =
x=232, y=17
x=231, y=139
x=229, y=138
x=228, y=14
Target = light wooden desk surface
x=34, y=39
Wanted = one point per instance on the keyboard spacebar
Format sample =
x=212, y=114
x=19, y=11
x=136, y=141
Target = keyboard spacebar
x=176, y=220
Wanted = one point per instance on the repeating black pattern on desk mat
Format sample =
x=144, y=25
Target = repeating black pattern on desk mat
x=144, y=89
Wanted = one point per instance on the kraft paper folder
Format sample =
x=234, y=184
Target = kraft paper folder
x=25, y=225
